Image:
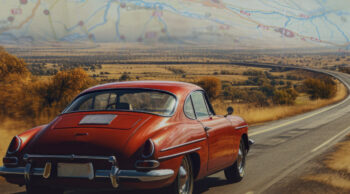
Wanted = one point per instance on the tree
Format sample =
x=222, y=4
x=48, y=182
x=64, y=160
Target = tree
x=257, y=97
x=211, y=85
x=124, y=77
x=64, y=86
x=24, y=96
x=285, y=96
x=10, y=64
x=323, y=87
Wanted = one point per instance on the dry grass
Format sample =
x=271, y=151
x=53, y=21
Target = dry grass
x=330, y=179
x=193, y=72
x=255, y=115
x=340, y=159
x=338, y=162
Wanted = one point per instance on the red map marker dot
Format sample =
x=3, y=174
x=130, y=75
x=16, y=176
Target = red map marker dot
x=81, y=23
x=123, y=5
x=23, y=2
x=122, y=37
x=10, y=19
x=163, y=30
x=46, y=12
x=91, y=36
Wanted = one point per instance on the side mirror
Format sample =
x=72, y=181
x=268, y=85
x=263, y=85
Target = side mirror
x=229, y=110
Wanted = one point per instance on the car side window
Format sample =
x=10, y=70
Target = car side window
x=188, y=109
x=200, y=106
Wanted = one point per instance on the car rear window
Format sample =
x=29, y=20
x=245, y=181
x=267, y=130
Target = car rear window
x=135, y=100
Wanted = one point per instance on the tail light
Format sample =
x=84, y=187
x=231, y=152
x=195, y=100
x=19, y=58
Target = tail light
x=148, y=149
x=14, y=145
x=146, y=164
x=10, y=161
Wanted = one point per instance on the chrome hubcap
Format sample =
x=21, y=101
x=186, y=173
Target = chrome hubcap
x=184, y=178
x=241, y=160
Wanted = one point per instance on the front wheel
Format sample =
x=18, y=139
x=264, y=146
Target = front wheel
x=183, y=183
x=36, y=189
x=235, y=173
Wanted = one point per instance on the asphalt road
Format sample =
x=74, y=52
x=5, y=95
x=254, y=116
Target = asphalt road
x=281, y=147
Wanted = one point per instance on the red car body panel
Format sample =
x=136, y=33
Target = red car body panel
x=124, y=137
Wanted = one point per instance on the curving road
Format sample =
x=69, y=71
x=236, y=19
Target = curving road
x=281, y=148
x=284, y=146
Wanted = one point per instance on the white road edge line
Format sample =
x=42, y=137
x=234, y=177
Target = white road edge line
x=330, y=140
x=308, y=116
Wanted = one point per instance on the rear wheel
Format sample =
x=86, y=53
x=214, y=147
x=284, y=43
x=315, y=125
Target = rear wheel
x=183, y=183
x=38, y=189
x=235, y=173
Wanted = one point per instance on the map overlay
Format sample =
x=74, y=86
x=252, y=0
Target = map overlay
x=237, y=23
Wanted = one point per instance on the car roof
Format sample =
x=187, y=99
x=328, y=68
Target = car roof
x=174, y=87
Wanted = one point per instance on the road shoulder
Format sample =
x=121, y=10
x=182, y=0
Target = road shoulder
x=326, y=173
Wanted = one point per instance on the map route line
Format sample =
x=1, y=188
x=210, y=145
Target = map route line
x=315, y=22
x=25, y=21
x=54, y=4
x=347, y=44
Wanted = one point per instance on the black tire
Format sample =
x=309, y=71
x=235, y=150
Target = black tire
x=183, y=183
x=38, y=190
x=236, y=172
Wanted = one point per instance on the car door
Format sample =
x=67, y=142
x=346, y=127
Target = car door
x=219, y=133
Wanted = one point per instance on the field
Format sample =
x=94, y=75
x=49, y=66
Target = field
x=109, y=62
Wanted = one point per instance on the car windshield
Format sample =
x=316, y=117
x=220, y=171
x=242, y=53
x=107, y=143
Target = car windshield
x=136, y=100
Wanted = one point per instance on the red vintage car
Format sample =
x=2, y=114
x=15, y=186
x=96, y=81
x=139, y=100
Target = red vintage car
x=139, y=134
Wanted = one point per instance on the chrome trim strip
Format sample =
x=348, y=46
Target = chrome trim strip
x=19, y=145
x=114, y=175
x=241, y=127
x=71, y=157
x=21, y=171
x=37, y=171
x=178, y=154
x=102, y=173
x=17, y=171
x=153, y=175
x=184, y=144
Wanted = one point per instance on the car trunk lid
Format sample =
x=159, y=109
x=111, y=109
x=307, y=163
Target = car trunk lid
x=90, y=133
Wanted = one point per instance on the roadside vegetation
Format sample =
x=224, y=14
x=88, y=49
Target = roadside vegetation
x=327, y=173
x=28, y=99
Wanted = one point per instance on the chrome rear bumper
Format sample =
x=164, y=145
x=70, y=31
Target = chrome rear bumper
x=114, y=174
